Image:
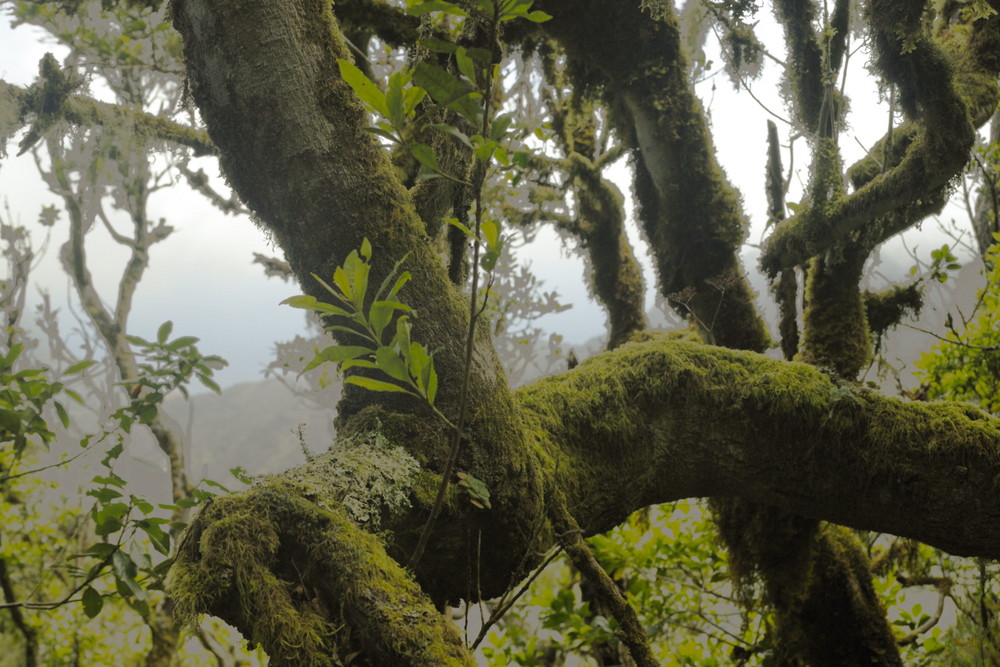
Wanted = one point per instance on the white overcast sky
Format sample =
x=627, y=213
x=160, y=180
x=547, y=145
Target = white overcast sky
x=202, y=278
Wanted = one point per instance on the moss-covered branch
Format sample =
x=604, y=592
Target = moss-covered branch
x=691, y=215
x=285, y=566
x=948, y=86
x=659, y=421
x=50, y=100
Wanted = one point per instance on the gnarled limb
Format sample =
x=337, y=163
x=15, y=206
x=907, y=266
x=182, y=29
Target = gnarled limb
x=690, y=213
x=946, y=89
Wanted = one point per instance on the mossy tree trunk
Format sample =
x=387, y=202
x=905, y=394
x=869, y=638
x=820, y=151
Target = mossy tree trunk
x=643, y=424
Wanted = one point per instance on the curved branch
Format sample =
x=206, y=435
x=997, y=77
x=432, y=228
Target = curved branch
x=946, y=90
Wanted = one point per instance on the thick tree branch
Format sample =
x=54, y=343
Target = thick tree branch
x=660, y=421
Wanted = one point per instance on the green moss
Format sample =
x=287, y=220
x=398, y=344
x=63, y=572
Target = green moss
x=887, y=308
x=836, y=331
x=691, y=215
x=288, y=573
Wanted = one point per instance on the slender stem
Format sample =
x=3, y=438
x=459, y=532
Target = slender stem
x=470, y=338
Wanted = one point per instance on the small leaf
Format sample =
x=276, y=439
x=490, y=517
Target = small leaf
x=93, y=602
x=358, y=363
x=425, y=156
x=537, y=16
x=448, y=90
x=80, y=366
x=125, y=570
x=453, y=131
x=336, y=354
x=63, y=415
x=183, y=341
x=363, y=87
x=343, y=284
x=388, y=362
x=465, y=64
x=455, y=223
x=431, y=383
x=209, y=383
x=500, y=126
x=375, y=385
x=366, y=248
x=164, y=332
x=411, y=98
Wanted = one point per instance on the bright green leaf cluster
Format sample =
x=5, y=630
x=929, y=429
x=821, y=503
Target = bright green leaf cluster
x=406, y=365
x=24, y=395
x=966, y=366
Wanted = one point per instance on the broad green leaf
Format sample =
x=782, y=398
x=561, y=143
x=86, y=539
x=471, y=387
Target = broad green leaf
x=375, y=385
x=389, y=363
x=483, y=148
x=417, y=358
x=104, y=495
x=394, y=106
x=491, y=232
x=537, y=16
x=379, y=316
x=336, y=354
x=366, y=249
x=304, y=301
x=146, y=413
x=363, y=87
x=358, y=363
x=93, y=602
x=160, y=539
x=465, y=64
x=125, y=570
x=209, y=383
x=343, y=284
x=500, y=126
x=447, y=90
x=164, y=332
x=425, y=156
x=380, y=294
x=411, y=98
x=431, y=382
x=401, y=341
x=361, y=270
x=183, y=341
